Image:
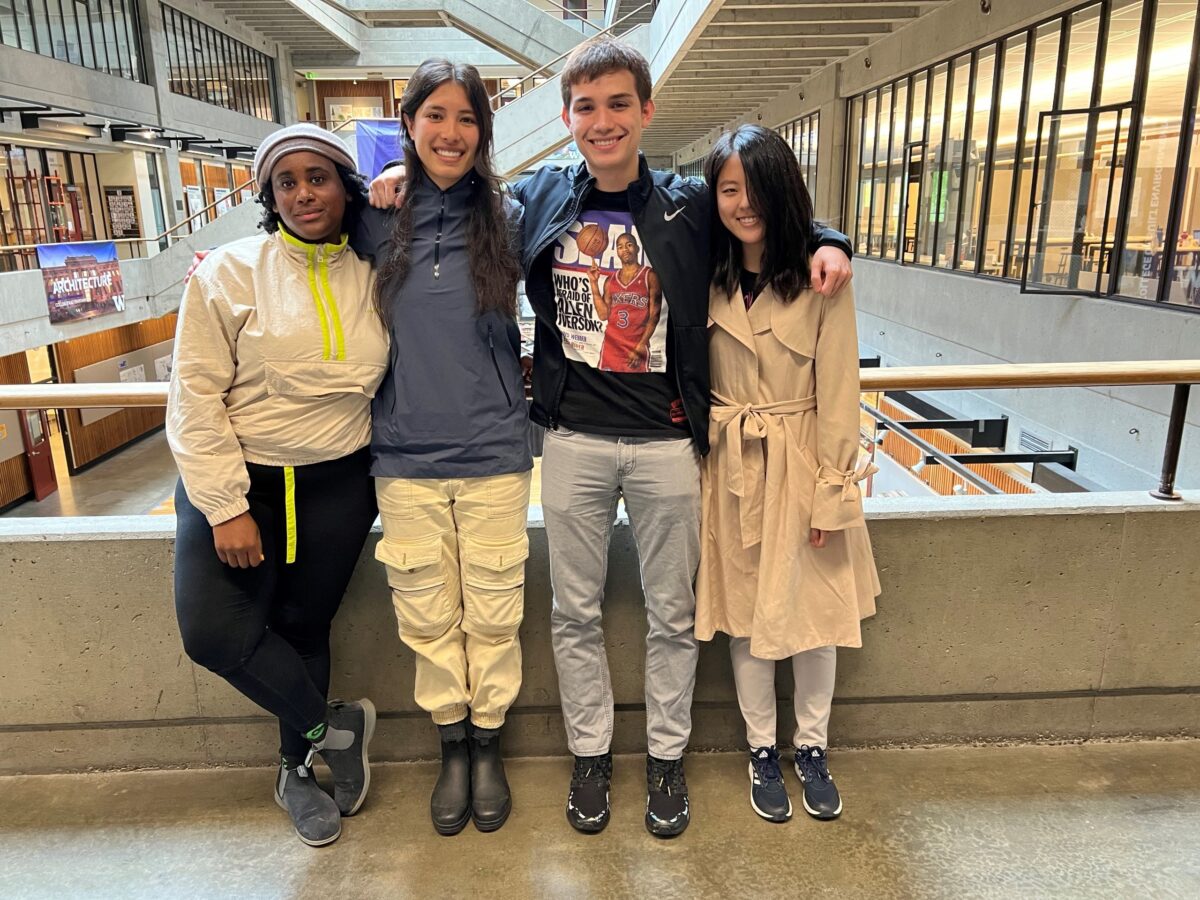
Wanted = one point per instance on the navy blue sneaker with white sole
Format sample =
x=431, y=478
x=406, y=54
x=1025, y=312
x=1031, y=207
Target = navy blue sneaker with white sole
x=768, y=794
x=821, y=797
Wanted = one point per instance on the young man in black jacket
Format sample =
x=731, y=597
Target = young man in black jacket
x=632, y=432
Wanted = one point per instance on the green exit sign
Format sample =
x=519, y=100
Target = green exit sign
x=311, y=76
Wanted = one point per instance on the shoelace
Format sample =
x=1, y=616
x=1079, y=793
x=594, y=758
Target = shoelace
x=766, y=763
x=591, y=771
x=667, y=775
x=814, y=764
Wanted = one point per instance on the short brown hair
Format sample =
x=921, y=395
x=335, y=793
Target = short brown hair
x=603, y=56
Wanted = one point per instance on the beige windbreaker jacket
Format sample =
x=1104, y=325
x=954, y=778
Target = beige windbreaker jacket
x=277, y=356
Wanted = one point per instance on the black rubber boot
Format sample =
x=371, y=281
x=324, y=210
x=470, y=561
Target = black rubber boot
x=450, y=805
x=491, y=800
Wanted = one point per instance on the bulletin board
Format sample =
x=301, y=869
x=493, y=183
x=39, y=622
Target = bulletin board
x=151, y=363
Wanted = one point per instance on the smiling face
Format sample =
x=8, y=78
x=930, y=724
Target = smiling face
x=606, y=120
x=737, y=212
x=445, y=131
x=309, y=196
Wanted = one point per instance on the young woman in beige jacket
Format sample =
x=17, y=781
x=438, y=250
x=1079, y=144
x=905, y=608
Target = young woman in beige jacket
x=786, y=568
x=277, y=355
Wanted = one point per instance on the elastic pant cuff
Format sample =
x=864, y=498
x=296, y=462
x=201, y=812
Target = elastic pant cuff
x=450, y=714
x=487, y=723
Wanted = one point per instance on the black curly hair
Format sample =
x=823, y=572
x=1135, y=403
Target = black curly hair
x=356, y=201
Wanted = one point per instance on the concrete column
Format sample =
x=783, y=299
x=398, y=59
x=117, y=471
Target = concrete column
x=831, y=170
x=172, y=188
x=285, y=89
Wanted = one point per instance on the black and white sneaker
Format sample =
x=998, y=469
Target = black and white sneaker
x=768, y=794
x=667, y=810
x=588, y=808
x=821, y=797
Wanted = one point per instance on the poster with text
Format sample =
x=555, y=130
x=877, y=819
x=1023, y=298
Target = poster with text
x=611, y=309
x=82, y=280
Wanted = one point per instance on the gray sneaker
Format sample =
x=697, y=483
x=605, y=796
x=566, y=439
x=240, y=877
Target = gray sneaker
x=313, y=812
x=344, y=748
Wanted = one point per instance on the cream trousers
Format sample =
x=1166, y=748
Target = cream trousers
x=813, y=672
x=455, y=554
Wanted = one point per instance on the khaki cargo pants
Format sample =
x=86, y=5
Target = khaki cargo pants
x=455, y=554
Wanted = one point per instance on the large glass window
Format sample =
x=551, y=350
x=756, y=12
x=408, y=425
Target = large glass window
x=976, y=143
x=98, y=34
x=46, y=196
x=1065, y=136
x=1147, y=241
x=212, y=67
x=801, y=135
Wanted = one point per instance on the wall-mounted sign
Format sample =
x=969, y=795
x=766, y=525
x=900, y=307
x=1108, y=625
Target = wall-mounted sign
x=122, y=212
x=82, y=280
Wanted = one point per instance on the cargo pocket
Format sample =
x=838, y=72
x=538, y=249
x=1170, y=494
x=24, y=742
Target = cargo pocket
x=493, y=584
x=416, y=574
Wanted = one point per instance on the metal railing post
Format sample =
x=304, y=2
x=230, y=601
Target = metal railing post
x=1166, y=484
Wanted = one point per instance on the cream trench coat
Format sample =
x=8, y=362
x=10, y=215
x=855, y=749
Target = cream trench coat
x=785, y=458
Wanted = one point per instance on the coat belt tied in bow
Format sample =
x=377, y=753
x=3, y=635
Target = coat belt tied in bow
x=743, y=427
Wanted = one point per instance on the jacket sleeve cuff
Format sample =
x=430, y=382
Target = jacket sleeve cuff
x=230, y=511
x=837, y=500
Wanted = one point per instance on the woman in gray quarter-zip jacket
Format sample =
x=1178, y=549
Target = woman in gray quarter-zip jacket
x=450, y=447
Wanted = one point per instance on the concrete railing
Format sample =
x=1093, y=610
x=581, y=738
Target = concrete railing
x=1047, y=617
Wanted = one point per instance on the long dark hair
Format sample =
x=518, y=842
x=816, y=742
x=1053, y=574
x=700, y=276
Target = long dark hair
x=777, y=193
x=491, y=235
x=356, y=201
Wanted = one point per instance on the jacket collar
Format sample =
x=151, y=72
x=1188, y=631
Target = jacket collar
x=728, y=312
x=301, y=250
x=460, y=190
x=639, y=189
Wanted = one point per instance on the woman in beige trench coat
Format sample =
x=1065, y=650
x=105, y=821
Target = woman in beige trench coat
x=786, y=568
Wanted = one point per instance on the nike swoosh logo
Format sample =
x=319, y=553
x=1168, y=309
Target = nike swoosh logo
x=667, y=217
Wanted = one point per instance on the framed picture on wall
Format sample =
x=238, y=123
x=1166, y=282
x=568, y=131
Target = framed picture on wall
x=342, y=109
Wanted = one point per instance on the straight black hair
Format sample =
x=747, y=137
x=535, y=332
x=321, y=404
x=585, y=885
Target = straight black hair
x=776, y=191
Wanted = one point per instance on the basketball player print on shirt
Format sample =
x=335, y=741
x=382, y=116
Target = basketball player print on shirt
x=611, y=309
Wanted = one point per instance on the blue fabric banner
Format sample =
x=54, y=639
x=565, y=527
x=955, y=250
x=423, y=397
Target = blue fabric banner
x=82, y=280
x=378, y=144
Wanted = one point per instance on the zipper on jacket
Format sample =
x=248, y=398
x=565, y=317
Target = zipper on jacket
x=552, y=417
x=496, y=364
x=437, y=241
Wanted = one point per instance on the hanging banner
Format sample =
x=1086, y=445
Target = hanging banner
x=82, y=280
x=378, y=144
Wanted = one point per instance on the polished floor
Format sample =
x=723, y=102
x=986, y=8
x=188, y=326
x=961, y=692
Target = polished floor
x=1087, y=821
x=137, y=480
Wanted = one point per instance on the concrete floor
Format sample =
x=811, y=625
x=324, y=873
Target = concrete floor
x=1092, y=820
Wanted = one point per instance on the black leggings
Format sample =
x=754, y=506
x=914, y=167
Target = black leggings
x=266, y=630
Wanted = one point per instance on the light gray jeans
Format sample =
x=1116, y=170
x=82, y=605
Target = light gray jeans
x=583, y=476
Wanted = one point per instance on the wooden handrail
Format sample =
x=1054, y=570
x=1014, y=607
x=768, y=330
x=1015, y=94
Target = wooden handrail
x=926, y=378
